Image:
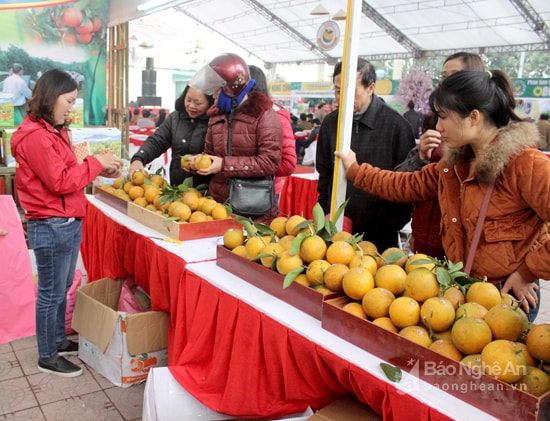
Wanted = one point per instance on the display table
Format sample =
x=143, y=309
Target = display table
x=299, y=195
x=238, y=349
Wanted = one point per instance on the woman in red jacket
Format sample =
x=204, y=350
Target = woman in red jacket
x=256, y=134
x=50, y=185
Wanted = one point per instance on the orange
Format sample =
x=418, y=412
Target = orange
x=312, y=248
x=473, y=361
x=290, y=226
x=274, y=250
x=118, y=182
x=140, y=201
x=416, y=334
x=158, y=180
x=183, y=212
x=127, y=186
x=455, y=296
x=185, y=161
x=191, y=199
x=421, y=284
x=446, y=347
x=278, y=225
x=202, y=162
x=334, y=276
x=198, y=216
x=437, y=313
x=376, y=302
x=483, y=293
x=341, y=235
x=286, y=241
x=138, y=178
x=151, y=193
x=287, y=262
x=232, y=238
x=470, y=335
x=368, y=248
x=135, y=192
x=529, y=360
x=411, y=264
x=302, y=279
x=207, y=205
x=315, y=271
x=535, y=381
x=404, y=311
x=366, y=261
x=355, y=309
x=240, y=251
x=393, y=255
x=340, y=252
x=445, y=334
x=470, y=310
x=538, y=342
x=255, y=245
x=220, y=212
x=506, y=322
x=392, y=277
x=357, y=282
x=385, y=323
x=174, y=206
x=502, y=360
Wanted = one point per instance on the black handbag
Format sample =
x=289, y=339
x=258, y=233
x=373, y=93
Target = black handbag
x=250, y=197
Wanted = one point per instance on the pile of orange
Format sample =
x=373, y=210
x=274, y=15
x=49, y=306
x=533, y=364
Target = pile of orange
x=483, y=328
x=147, y=191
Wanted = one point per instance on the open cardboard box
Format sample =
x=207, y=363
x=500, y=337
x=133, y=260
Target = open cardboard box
x=304, y=298
x=480, y=390
x=171, y=229
x=120, y=346
x=348, y=408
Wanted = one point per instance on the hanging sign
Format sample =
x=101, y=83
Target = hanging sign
x=328, y=35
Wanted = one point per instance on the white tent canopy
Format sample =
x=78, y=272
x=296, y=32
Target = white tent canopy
x=284, y=31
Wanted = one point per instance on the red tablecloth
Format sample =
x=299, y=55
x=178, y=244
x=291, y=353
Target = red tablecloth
x=238, y=361
x=298, y=197
x=227, y=353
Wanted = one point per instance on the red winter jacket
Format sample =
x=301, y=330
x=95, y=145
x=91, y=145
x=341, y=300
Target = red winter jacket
x=288, y=159
x=256, y=143
x=49, y=180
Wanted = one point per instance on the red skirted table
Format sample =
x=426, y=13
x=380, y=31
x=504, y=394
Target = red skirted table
x=299, y=195
x=240, y=350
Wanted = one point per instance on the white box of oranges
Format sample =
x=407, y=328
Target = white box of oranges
x=473, y=346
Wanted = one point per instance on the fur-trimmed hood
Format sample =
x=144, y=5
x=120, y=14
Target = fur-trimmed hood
x=511, y=140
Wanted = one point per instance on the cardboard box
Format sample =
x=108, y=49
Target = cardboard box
x=122, y=347
x=165, y=400
x=348, y=408
x=497, y=398
x=304, y=298
x=171, y=229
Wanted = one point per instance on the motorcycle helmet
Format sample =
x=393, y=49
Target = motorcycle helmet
x=227, y=71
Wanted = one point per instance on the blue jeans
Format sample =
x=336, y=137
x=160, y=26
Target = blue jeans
x=56, y=243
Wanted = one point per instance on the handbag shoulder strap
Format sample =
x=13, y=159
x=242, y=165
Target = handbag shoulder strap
x=479, y=227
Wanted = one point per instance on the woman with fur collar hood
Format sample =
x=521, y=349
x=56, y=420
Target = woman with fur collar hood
x=486, y=144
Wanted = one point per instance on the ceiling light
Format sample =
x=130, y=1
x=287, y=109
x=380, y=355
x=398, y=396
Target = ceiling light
x=319, y=10
x=340, y=15
x=153, y=4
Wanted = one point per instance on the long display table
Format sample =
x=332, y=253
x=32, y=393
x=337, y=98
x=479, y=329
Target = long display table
x=240, y=350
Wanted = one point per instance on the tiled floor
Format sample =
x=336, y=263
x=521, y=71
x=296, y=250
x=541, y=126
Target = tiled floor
x=27, y=394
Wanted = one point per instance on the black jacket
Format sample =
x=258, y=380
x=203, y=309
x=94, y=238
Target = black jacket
x=381, y=137
x=184, y=135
